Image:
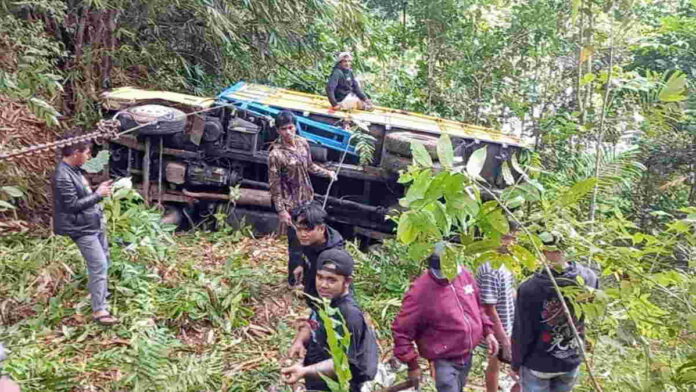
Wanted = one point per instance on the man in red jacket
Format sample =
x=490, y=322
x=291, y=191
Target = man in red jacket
x=447, y=322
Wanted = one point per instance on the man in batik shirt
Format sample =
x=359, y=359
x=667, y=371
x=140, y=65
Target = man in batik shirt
x=289, y=165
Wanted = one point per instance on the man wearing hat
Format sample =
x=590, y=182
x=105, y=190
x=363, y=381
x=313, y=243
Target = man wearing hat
x=545, y=353
x=289, y=165
x=445, y=319
x=333, y=280
x=343, y=89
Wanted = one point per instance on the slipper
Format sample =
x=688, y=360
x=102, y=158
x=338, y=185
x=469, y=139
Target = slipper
x=106, y=320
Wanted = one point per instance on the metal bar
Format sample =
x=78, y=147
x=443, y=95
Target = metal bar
x=159, y=174
x=146, y=170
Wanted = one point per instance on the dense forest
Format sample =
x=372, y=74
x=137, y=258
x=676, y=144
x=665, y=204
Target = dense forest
x=600, y=88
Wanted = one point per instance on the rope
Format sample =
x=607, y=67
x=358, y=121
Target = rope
x=338, y=170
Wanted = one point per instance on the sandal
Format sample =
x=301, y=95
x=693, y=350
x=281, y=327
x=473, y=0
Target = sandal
x=106, y=320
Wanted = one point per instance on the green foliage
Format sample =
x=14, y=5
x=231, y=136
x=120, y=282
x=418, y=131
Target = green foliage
x=30, y=72
x=338, y=339
x=96, y=164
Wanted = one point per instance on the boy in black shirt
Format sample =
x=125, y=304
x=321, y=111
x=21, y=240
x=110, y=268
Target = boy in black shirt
x=333, y=279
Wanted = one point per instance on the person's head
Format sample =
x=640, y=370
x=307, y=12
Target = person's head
x=334, y=273
x=344, y=60
x=551, y=247
x=285, y=124
x=309, y=221
x=76, y=154
x=510, y=238
x=434, y=258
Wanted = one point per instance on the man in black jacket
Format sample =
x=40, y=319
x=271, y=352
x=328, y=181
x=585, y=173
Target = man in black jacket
x=343, y=89
x=316, y=237
x=545, y=353
x=78, y=215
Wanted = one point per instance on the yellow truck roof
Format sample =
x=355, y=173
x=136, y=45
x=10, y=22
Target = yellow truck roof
x=121, y=97
x=391, y=118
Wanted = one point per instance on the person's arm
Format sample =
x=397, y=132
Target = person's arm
x=488, y=299
x=314, y=168
x=274, y=167
x=299, y=344
x=405, y=330
x=331, y=87
x=66, y=193
x=523, y=330
x=358, y=90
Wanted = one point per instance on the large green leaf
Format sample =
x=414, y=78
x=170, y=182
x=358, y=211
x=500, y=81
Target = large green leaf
x=507, y=174
x=420, y=154
x=407, y=231
x=445, y=152
x=577, y=192
x=417, y=189
x=96, y=164
x=525, y=257
x=476, y=161
x=674, y=89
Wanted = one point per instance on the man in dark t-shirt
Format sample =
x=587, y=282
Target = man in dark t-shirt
x=333, y=279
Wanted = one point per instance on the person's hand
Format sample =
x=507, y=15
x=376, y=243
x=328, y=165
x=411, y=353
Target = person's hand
x=297, y=350
x=492, y=344
x=333, y=176
x=298, y=272
x=292, y=374
x=507, y=349
x=414, y=375
x=335, y=108
x=284, y=217
x=104, y=189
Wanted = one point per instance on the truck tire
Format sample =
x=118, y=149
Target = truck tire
x=400, y=143
x=168, y=120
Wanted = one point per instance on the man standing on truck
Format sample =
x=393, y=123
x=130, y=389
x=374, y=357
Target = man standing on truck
x=343, y=89
x=446, y=321
x=78, y=215
x=333, y=281
x=289, y=165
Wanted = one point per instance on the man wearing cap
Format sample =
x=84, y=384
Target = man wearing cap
x=289, y=165
x=343, y=89
x=545, y=352
x=316, y=237
x=446, y=321
x=334, y=277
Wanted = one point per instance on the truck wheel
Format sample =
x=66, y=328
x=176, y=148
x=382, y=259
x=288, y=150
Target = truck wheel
x=168, y=121
x=400, y=143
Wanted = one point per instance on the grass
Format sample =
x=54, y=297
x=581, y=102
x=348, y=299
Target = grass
x=213, y=315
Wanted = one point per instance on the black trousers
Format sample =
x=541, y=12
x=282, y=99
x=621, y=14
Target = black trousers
x=295, y=258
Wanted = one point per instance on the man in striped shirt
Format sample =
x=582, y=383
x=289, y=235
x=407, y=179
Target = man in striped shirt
x=497, y=293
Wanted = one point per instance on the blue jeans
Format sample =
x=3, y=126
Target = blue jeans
x=95, y=250
x=560, y=383
x=451, y=376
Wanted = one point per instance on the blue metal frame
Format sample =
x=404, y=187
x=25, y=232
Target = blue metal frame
x=305, y=126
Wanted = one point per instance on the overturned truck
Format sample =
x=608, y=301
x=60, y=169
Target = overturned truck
x=188, y=153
